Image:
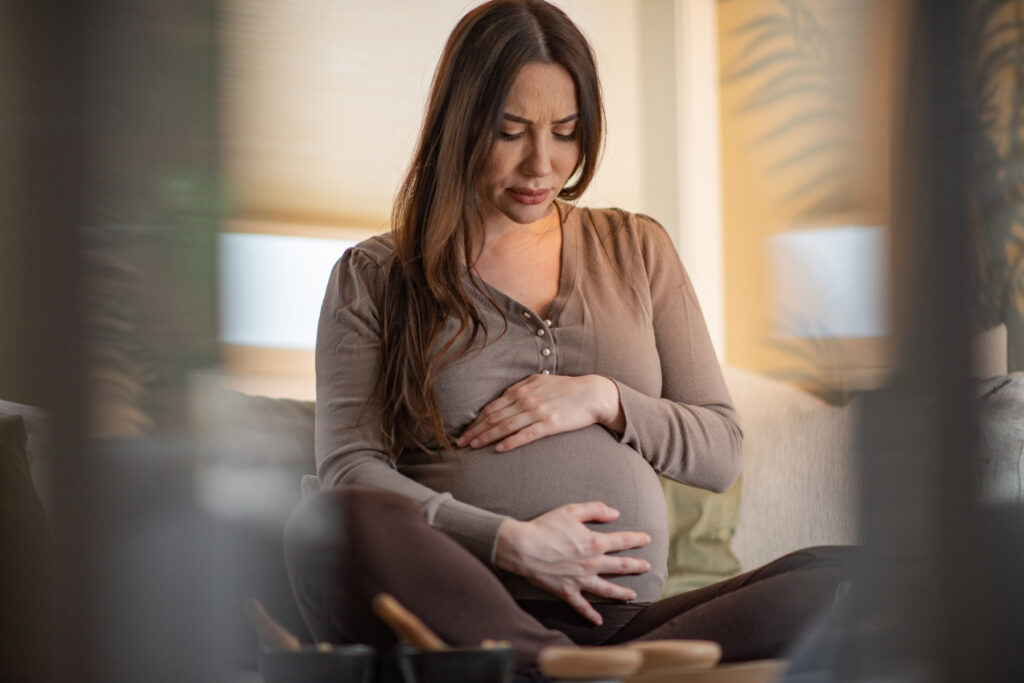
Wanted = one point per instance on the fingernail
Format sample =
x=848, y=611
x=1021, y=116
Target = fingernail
x=474, y=443
x=632, y=596
x=500, y=447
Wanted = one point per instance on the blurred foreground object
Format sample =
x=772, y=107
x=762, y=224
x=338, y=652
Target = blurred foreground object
x=939, y=596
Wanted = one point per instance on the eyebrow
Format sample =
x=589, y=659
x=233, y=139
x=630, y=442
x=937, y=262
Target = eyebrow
x=520, y=119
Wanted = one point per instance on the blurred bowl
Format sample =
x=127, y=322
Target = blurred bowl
x=457, y=665
x=341, y=664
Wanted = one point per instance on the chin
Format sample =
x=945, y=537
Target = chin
x=526, y=214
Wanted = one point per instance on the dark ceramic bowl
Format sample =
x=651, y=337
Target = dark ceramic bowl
x=457, y=665
x=341, y=664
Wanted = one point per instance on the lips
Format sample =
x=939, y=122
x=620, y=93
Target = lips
x=525, y=195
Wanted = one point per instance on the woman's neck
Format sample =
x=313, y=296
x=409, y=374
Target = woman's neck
x=524, y=262
x=508, y=235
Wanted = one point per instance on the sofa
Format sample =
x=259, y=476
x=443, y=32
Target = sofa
x=799, y=485
x=798, y=455
x=252, y=452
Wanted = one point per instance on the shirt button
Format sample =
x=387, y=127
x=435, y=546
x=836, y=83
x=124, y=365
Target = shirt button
x=540, y=332
x=545, y=352
x=545, y=372
x=548, y=323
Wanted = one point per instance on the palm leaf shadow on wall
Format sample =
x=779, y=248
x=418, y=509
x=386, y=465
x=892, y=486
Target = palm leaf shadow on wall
x=996, y=119
x=798, y=87
x=822, y=354
x=791, y=58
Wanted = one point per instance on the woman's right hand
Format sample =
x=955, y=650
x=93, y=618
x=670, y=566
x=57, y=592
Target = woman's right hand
x=558, y=553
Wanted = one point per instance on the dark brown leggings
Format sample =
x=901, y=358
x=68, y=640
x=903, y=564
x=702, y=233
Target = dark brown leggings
x=346, y=545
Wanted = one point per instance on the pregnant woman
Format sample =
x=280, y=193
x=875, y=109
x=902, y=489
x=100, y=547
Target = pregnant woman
x=502, y=378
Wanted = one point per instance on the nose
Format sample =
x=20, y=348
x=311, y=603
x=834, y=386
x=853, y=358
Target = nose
x=537, y=161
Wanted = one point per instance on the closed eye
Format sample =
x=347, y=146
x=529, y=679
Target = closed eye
x=564, y=137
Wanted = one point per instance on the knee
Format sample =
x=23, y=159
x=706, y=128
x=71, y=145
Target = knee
x=840, y=557
x=835, y=561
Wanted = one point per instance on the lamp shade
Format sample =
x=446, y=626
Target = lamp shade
x=829, y=282
x=272, y=286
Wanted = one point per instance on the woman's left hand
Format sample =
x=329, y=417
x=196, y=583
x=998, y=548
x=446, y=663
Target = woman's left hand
x=542, y=405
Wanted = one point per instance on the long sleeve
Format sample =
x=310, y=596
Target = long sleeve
x=691, y=432
x=349, y=443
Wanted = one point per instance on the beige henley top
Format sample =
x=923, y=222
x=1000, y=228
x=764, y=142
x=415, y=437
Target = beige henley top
x=625, y=309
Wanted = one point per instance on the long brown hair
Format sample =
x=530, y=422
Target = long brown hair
x=436, y=210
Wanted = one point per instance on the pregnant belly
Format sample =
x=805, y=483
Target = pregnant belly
x=575, y=467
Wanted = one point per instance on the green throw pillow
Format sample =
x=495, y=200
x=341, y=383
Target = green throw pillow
x=701, y=526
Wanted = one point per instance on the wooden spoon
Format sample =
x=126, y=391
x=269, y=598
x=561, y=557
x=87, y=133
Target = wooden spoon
x=406, y=625
x=271, y=634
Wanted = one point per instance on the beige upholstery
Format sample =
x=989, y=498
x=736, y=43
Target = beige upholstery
x=799, y=485
x=310, y=485
x=800, y=480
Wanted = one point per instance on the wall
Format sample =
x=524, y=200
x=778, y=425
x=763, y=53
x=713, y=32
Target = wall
x=322, y=103
x=807, y=103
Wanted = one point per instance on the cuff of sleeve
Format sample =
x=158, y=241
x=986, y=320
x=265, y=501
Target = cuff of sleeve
x=473, y=528
x=631, y=401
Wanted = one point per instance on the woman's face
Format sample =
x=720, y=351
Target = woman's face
x=536, y=149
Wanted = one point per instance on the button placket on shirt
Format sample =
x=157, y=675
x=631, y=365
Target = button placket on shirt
x=542, y=330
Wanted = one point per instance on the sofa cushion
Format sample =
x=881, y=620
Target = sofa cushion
x=254, y=451
x=800, y=474
x=39, y=428
x=18, y=498
x=255, y=430
x=1001, y=438
x=701, y=525
x=26, y=561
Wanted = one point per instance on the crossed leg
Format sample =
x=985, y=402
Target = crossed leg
x=754, y=615
x=346, y=545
